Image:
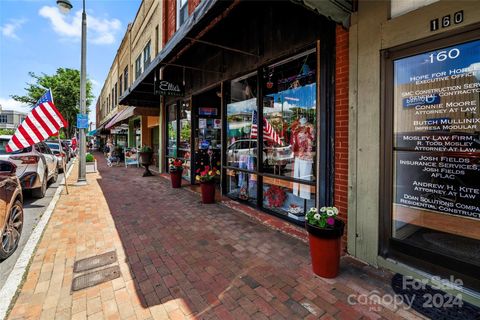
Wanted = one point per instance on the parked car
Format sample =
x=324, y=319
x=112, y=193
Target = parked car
x=11, y=209
x=280, y=156
x=61, y=155
x=66, y=149
x=36, y=166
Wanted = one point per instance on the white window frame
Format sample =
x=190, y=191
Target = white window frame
x=180, y=5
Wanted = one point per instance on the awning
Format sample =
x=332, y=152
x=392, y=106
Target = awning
x=130, y=112
x=206, y=15
x=92, y=133
x=336, y=10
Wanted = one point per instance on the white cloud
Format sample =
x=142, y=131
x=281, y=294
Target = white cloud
x=10, y=28
x=10, y=104
x=99, y=30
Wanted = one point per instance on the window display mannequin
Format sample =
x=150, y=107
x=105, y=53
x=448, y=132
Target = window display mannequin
x=302, y=141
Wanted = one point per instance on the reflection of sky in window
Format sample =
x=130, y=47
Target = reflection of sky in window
x=301, y=97
x=246, y=106
x=420, y=64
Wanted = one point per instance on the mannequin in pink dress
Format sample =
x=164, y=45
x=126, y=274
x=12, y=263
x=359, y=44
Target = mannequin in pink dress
x=302, y=138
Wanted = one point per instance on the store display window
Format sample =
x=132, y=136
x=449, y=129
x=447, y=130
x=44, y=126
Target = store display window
x=184, y=148
x=289, y=116
x=241, y=111
x=242, y=185
x=172, y=130
x=288, y=198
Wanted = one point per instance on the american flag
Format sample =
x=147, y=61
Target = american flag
x=42, y=122
x=268, y=132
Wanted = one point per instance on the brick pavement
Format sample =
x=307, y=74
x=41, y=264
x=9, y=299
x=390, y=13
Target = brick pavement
x=180, y=259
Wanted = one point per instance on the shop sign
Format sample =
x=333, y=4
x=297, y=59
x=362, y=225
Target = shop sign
x=437, y=131
x=167, y=88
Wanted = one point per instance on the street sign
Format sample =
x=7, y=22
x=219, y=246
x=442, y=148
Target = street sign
x=82, y=121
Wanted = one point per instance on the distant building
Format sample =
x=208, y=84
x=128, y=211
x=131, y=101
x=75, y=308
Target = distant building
x=11, y=119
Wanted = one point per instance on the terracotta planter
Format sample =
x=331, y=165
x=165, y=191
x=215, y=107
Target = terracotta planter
x=176, y=178
x=325, y=246
x=208, y=192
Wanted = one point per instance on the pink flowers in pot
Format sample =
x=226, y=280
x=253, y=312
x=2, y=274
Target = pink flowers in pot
x=323, y=218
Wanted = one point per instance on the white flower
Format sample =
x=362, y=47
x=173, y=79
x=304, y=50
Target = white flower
x=316, y=216
x=313, y=210
x=323, y=209
x=335, y=210
x=330, y=212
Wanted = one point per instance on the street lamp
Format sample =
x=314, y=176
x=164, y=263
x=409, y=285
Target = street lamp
x=65, y=6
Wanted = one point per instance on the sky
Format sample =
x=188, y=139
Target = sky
x=35, y=36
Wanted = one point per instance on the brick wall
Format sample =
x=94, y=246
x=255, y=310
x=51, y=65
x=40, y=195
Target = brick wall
x=169, y=20
x=341, y=126
x=170, y=17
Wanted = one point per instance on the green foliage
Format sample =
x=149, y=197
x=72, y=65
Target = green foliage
x=89, y=158
x=65, y=86
x=324, y=218
x=145, y=148
x=185, y=131
x=7, y=132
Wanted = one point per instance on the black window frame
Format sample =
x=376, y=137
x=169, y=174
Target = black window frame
x=325, y=111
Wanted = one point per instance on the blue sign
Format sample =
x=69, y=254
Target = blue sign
x=421, y=100
x=82, y=121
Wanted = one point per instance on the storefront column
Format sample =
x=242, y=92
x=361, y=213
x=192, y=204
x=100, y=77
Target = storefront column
x=131, y=134
x=146, y=138
x=162, y=139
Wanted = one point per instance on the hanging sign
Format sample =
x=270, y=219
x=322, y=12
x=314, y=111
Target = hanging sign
x=167, y=88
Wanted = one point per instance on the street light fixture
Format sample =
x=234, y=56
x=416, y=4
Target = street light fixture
x=65, y=6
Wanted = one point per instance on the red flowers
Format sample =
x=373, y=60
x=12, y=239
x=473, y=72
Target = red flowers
x=207, y=174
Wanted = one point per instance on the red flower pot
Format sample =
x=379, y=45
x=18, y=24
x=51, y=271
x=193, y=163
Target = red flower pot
x=208, y=192
x=176, y=178
x=325, y=246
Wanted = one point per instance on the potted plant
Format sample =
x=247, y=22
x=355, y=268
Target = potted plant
x=207, y=183
x=91, y=163
x=176, y=169
x=145, y=155
x=325, y=231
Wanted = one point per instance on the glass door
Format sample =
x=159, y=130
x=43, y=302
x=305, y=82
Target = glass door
x=208, y=126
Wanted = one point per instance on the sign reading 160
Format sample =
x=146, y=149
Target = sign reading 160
x=444, y=54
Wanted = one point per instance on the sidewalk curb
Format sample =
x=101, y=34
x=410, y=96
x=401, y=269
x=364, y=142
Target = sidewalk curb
x=15, y=278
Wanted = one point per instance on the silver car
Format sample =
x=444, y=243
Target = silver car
x=61, y=156
x=36, y=166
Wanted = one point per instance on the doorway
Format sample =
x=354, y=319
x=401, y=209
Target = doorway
x=206, y=124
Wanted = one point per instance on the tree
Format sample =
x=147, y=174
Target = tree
x=65, y=86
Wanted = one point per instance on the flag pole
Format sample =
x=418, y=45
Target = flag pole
x=60, y=149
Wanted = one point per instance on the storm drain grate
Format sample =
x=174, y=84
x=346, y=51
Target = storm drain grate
x=96, y=277
x=95, y=261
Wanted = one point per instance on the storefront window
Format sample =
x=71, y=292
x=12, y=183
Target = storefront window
x=436, y=152
x=184, y=151
x=289, y=111
x=242, y=185
x=288, y=198
x=241, y=112
x=172, y=130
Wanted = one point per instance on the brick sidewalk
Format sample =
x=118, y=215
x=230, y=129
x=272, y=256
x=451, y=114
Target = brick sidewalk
x=180, y=259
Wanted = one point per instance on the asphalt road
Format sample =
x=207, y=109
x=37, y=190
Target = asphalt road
x=33, y=211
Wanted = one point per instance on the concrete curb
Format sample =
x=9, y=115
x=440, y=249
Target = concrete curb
x=15, y=278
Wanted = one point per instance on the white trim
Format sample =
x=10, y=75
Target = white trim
x=15, y=278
